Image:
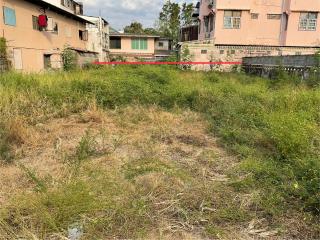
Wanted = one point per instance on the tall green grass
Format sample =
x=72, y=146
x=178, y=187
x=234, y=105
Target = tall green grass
x=275, y=131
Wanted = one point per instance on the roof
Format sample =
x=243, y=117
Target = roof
x=82, y=50
x=132, y=35
x=112, y=30
x=49, y=6
x=165, y=38
x=94, y=17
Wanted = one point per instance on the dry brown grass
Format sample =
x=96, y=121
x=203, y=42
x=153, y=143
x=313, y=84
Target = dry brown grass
x=191, y=169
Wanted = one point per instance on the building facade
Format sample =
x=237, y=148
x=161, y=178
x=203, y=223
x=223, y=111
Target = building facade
x=132, y=47
x=68, y=5
x=230, y=30
x=98, y=37
x=163, y=48
x=35, y=48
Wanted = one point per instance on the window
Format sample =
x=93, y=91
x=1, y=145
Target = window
x=52, y=26
x=211, y=21
x=35, y=24
x=254, y=15
x=206, y=23
x=66, y=3
x=47, y=61
x=83, y=35
x=274, y=16
x=233, y=51
x=308, y=21
x=232, y=19
x=204, y=51
x=160, y=44
x=9, y=16
x=115, y=43
x=221, y=51
x=139, y=44
x=55, y=28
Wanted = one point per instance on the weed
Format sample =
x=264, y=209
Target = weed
x=273, y=129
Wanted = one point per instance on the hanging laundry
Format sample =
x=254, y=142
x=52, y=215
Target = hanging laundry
x=43, y=21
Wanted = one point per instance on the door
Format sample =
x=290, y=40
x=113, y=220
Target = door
x=17, y=59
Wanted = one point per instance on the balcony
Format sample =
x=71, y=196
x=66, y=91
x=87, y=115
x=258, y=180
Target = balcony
x=189, y=33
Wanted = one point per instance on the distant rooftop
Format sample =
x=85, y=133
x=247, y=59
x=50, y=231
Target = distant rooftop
x=117, y=34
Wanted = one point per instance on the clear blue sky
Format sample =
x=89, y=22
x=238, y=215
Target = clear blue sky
x=120, y=13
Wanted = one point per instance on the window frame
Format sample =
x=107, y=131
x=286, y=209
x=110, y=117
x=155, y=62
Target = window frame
x=35, y=23
x=83, y=35
x=234, y=21
x=139, y=43
x=6, y=21
x=118, y=44
x=308, y=20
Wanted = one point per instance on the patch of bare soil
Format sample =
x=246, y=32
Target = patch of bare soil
x=127, y=134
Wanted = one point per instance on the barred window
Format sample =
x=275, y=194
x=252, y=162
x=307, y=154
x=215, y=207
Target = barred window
x=308, y=21
x=232, y=19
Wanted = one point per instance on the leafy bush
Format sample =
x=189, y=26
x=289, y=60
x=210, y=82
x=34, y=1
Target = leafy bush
x=69, y=59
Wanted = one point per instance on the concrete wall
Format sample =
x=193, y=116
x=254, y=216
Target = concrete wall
x=206, y=52
x=33, y=44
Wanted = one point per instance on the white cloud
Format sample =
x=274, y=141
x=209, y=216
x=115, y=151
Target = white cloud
x=120, y=13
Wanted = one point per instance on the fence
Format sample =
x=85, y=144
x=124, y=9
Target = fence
x=265, y=66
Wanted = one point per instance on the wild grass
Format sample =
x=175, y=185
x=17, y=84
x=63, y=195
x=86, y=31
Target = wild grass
x=275, y=131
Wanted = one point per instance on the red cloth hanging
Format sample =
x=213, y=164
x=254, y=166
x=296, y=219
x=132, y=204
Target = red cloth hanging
x=43, y=21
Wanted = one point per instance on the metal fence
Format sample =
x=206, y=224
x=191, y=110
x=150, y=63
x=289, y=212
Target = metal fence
x=294, y=64
x=298, y=61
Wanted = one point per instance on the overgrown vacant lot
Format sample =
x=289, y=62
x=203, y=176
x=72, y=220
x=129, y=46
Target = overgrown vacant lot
x=157, y=153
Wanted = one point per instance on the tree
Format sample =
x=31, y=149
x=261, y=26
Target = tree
x=169, y=20
x=186, y=14
x=137, y=28
x=134, y=28
x=151, y=31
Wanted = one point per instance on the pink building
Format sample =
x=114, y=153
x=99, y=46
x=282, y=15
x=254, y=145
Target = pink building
x=231, y=29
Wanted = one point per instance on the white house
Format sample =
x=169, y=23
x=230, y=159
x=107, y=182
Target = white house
x=98, y=36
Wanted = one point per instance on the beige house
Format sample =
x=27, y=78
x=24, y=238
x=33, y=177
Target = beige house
x=132, y=46
x=229, y=30
x=32, y=48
